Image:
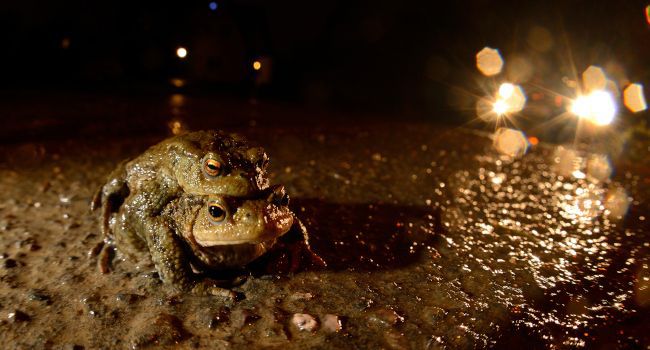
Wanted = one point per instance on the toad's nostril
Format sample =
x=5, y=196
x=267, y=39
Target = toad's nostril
x=284, y=200
x=278, y=196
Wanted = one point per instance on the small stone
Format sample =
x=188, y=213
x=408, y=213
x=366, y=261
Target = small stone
x=93, y=306
x=304, y=322
x=332, y=323
x=10, y=263
x=74, y=347
x=17, y=316
x=158, y=330
x=39, y=295
x=301, y=296
x=128, y=298
x=29, y=243
x=244, y=317
x=433, y=314
x=386, y=317
x=212, y=318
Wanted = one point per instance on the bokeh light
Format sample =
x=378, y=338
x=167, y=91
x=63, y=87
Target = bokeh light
x=599, y=167
x=519, y=69
x=257, y=65
x=634, y=99
x=213, y=5
x=642, y=286
x=567, y=162
x=489, y=61
x=510, y=99
x=510, y=142
x=177, y=100
x=540, y=39
x=181, y=52
x=177, y=82
x=583, y=205
x=594, y=78
x=176, y=127
x=617, y=203
x=647, y=14
x=500, y=107
x=598, y=107
x=65, y=43
x=506, y=90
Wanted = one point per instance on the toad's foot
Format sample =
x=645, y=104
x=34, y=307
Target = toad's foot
x=105, y=258
x=215, y=288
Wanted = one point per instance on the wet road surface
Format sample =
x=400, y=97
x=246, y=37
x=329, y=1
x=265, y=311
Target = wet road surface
x=434, y=240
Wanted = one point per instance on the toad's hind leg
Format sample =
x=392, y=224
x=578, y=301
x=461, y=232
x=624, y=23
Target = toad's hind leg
x=111, y=196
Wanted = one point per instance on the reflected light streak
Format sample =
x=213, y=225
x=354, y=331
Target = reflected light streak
x=598, y=107
x=177, y=82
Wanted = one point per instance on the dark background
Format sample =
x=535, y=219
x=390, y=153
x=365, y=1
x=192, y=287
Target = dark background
x=394, y=58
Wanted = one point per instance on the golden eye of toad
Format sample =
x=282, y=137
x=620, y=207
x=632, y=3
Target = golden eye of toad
x=212, y=167
x=217, y=212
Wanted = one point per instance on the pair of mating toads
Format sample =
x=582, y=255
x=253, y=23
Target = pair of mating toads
x=195, y=205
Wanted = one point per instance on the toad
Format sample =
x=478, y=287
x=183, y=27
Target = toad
x=198, y=203
x=198, y=163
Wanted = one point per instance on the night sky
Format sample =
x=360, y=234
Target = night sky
x=363, y=55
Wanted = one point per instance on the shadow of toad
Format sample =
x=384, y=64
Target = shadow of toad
x=368, y=237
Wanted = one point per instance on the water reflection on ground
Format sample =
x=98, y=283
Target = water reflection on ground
x=434, y=239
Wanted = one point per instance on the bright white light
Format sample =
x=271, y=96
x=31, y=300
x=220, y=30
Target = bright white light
x=510, y=99
x=500, y=107
x=506, y=90
x=580, y=107
x=181, y=52
x=597, y=107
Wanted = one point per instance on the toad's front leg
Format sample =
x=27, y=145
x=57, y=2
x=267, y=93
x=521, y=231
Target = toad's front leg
x=291, y=253
x=173, y=266
x=302, y=254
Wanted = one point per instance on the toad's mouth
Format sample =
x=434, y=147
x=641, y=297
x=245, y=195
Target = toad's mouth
x=231, y=255
x=262, y=240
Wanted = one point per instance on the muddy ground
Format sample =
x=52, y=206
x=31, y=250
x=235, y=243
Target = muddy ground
x=433, y=241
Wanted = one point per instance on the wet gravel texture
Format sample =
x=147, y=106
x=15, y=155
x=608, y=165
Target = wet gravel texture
x=433, y=241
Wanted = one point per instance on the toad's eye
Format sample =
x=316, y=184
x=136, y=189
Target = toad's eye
x=217, y=212
x=212, y=167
